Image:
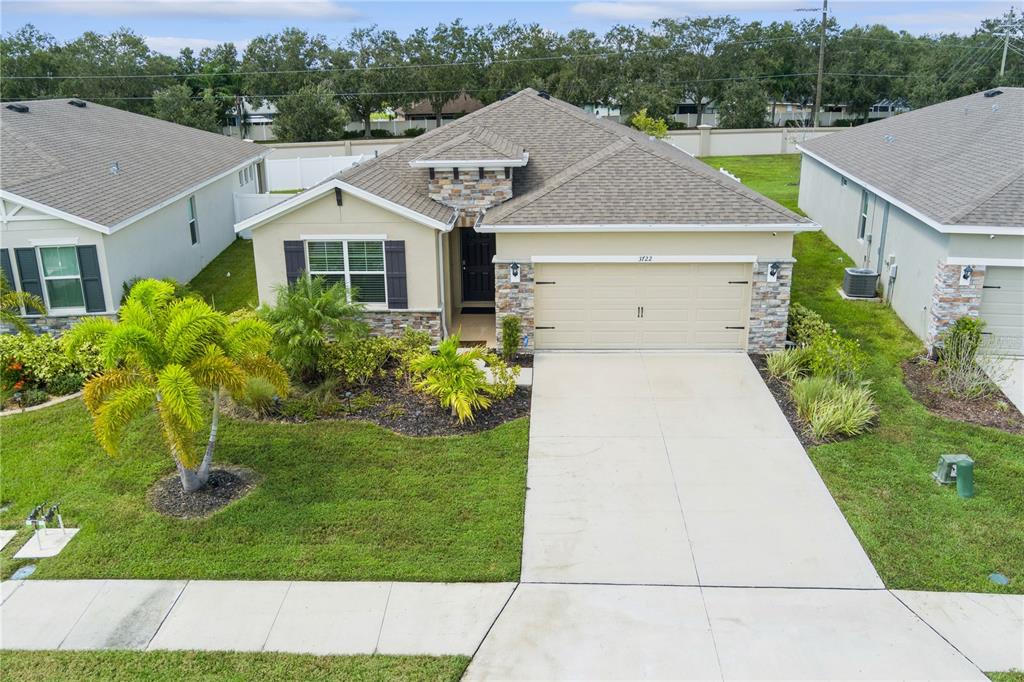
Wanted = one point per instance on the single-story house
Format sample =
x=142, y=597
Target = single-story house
x=92, y=197
x=933, y=201
x=424, y=111
x=595, y=235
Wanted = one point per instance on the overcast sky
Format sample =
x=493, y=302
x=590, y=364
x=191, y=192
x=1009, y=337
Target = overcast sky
x=169, y=25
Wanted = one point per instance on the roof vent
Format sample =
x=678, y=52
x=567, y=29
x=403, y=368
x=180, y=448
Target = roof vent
x=508, y=94
x=20, y=108
x=544, y=94
x=77, y=103
x=993, y=93
x=115, y=168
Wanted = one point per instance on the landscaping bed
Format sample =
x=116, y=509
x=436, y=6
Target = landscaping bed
x=225, y=485
x=780, y=391
x=992, y=409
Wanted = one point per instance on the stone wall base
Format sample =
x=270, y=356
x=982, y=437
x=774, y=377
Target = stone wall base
x=514, y=298
x=51, y=325
x=953, y=298
x=395, y=322
x=769, y=307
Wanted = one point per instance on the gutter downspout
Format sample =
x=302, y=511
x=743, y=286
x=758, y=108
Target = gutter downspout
x=442, y=274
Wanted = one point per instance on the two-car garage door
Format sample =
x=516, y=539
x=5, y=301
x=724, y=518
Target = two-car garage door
x=642, y=305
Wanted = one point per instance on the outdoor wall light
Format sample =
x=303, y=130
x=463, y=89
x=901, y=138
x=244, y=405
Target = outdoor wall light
x=773, y=271
x=965, y=274
x=513, y=272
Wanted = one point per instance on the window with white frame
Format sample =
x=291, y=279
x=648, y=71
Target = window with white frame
x=241, y=177
x=359, y=265
x=193, y=221
x=862, y=223
x=62, y=276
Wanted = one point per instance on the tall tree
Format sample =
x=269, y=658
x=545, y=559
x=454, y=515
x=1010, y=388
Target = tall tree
x=278, y=64
x=311, y=114
x=450, y=59
x=692, y=44
x=28, y=52
x=164, y=355
x=374, y=75
x=743, y=104
x=518, y=56
x=177, y=104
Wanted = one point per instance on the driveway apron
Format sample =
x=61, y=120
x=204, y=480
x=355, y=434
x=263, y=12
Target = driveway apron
x=675, y=469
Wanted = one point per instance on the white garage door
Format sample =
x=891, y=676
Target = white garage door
x=1002, y=308
x=642, y=305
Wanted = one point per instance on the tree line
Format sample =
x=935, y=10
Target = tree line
x=318, y=85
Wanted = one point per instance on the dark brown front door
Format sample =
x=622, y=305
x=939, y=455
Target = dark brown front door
x=477, y=268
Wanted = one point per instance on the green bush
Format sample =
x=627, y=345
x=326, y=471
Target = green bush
x=33, y=396
x=259, y=395
x=503, y=377
x=805, y=325
x=413, y=132
x=64, y=384
x=454, y=378
x=958, y=370
x=832, y=408
x=832, y=356
x=787, y=365
x=409, y=346
x=511, y=333
x=43, y=357
x=180, y=290
x=359, y=360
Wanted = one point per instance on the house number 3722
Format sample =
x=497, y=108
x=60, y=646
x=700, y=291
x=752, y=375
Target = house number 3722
x=646, y=259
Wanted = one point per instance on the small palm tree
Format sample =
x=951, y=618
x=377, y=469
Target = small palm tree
x=11, y=303
x=455, y=378
x=163, y=354
x=307, y=314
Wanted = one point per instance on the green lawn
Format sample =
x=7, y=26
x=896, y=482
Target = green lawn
x=220, y=666
x=919, y=535
x=226, y=292
x=338, y=501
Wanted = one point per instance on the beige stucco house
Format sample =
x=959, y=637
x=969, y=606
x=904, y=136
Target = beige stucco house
x=92, y=197
x=593, y=234
x=933, y=201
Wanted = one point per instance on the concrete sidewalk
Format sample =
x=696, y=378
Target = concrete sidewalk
x=297, y=617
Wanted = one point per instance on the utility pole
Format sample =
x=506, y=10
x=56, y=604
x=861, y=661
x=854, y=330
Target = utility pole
x=1006, y=45
x=821, y=64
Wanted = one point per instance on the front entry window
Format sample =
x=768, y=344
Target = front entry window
x=63, y=277
x=358, y=265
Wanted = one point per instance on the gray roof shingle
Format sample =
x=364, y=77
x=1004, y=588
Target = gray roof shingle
x=581, y=170
x=61, y=156
x=960, y=162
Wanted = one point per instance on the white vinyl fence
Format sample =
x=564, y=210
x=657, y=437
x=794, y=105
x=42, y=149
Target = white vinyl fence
x=248, y=205
x=302, y=173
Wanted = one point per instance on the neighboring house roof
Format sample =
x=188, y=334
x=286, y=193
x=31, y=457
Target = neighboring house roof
x=463, y=104
x=61, y=157
x=582, y=170
x=475, y=144
x=958, y=163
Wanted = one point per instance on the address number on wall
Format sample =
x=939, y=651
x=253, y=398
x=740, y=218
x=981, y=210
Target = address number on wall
x=645, y=259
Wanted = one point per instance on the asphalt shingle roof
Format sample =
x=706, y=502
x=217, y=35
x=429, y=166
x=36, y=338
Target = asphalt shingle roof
x=477, y=144
x=581, y=170
x=960, y=162
x=61, y=156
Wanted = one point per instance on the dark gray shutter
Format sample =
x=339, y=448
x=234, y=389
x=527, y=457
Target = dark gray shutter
x=5, y=263
x=92, y=285
x=394, y=266
x=28, y=270
x=294, y=260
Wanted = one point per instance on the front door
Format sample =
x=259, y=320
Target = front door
x=477, y=268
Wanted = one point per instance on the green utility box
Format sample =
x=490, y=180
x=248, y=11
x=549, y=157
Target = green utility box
x=958, y=469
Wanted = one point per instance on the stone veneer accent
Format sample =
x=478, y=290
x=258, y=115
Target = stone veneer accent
x=769, y=307
x=514, y=298
x=51, y=325
x=470, y=192
x=394, y=322
x=953, y=299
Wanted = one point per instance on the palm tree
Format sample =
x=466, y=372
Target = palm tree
x=165, y=354
x=11, y=303
x=308, y=313
x=455, y=378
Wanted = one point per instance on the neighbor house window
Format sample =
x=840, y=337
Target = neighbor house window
x=241, y=177
x=359, y=265
x=842, y=180
x=193, y=221
x=62, y=276
x=862, y=223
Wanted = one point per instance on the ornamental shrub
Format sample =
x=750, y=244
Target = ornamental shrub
x=831, y=356
x=358, y=360
x=805, y=325
x=454, y=378
x=66, y=383
x=33, y=396
x=958, y=370
x=511, y=333
x=832, y=408
x=503, y=377
x=43, y=358
x=788, y=364
x=409, y=346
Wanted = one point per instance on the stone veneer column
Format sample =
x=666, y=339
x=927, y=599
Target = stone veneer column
x=953, y=298
x=769, y=307
x=394, y=322
x=514, y=298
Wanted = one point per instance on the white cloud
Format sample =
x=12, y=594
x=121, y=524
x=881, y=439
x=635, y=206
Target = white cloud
x=627, y=10
x=298, y=9
x=172, y=45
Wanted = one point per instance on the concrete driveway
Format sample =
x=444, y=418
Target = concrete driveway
x=675, y=469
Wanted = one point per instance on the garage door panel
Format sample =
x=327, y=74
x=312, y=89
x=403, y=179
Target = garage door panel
x=1002, y=308
x=685, y=305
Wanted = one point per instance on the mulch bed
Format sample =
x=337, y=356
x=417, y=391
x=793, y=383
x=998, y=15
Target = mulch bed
x=993, y=410
x=226, y=484
x=780, y=391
